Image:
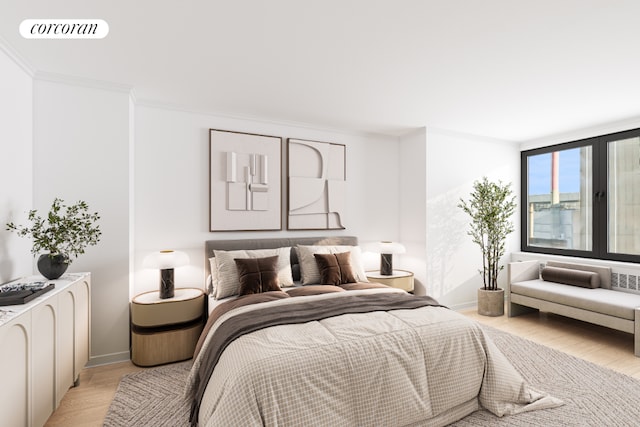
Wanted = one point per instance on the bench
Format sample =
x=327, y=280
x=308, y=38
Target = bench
x=590, y=298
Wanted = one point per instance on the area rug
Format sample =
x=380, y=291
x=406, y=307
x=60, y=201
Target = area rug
x=593, y=395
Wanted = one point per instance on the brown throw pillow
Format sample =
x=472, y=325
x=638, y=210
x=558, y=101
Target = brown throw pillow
x=335, y=269
x=257, y=275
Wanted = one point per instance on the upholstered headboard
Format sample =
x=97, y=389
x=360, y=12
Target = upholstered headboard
x=232, y=245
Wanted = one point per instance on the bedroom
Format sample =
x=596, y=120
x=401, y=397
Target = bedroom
x=142, y=160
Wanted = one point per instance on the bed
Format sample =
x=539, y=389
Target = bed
x=348, y=353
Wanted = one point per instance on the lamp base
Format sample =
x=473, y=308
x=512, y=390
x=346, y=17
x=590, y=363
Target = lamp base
x=386, y=264
x=166, y=283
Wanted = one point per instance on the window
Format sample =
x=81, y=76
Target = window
x=583, y=198
x=623, y=178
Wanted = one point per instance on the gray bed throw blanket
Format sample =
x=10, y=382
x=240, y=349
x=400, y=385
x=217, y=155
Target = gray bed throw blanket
x=306, y=311
x=354, y=358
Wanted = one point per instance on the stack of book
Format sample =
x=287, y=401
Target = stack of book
x=22, y=292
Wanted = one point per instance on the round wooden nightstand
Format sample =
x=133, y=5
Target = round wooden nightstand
x=398, y=279
x=166, y=330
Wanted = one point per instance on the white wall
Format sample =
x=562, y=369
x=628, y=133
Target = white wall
x=172, y=175
x=154, y=194
x=413, y=206
x=81, y=152
x=145, y=169
x=16, y=148
x=453, y=162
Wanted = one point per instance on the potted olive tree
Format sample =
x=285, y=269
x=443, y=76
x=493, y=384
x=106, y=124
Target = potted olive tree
x=490, y=207
x=61, y=236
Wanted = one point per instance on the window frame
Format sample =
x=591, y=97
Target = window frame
x=600, y=161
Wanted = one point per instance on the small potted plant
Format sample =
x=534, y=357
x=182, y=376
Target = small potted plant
x=61, y=236
x=490, y=207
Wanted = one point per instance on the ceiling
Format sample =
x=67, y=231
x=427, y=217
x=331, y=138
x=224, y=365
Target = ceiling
x=508, y=69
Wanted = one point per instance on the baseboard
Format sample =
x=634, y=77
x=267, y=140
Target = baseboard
x=463, y=306
x=107, y=359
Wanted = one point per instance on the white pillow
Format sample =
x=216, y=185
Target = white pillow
x=209, y=286
x=309, y=273
x=212, y=280
x=228, y=282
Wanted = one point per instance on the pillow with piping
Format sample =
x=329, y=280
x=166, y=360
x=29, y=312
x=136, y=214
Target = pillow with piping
x=257, y=275
x=309, y=273
x=335, y=269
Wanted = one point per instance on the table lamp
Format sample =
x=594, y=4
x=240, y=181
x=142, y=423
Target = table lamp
x=166, y=261
x=386, y=250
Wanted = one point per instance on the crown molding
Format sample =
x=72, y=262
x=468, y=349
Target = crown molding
x=82, y=81
x=46, y=76
x=35, y=74
x=133, y=96
x=18, y=59
x=465, y=135
x=146, y=102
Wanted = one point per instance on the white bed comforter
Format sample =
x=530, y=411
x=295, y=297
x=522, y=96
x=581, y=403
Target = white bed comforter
x=424, y=366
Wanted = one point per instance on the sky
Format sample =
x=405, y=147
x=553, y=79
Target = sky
x=540, y=172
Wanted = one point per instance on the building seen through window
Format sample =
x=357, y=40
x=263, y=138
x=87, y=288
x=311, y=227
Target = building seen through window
x=583, y=198
x=559, y=199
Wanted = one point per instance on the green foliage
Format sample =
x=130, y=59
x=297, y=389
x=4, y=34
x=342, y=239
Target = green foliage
x=67, y=230
x=490, y=207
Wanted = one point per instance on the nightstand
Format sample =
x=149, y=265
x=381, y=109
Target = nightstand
x=166, y=330
x=398, y=279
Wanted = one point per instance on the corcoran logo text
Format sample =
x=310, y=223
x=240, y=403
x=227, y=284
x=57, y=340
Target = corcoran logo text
x=64, y=29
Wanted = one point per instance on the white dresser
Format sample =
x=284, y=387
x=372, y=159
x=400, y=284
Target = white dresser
x=44, y=344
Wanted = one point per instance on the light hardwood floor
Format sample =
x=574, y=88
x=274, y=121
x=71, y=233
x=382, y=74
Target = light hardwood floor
x=597, y=344
x=87, y=404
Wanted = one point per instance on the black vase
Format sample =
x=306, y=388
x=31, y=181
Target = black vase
x=52, y=266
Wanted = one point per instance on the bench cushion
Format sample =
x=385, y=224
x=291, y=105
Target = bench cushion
x=599, y=300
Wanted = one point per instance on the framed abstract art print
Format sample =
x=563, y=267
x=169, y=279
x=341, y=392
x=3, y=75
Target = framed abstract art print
x=245, y=181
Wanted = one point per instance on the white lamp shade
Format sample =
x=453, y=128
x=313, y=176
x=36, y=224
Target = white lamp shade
x=165, y=259
x=386, y=247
